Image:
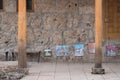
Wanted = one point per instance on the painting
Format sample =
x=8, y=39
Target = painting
x=111, y=50
x=79, y=49
x=91, y=48
x=63, y=50
x=47, y=53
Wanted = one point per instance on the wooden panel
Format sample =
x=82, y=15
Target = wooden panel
x=112, y=19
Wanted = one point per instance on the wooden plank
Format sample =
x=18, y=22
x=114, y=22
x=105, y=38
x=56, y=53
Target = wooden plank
x=98, y=33
x=22, y=58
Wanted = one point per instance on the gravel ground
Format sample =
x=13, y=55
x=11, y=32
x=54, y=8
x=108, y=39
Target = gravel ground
x=10, y=71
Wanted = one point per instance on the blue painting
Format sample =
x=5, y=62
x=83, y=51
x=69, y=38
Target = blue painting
x=79, y=49
x=63, y=50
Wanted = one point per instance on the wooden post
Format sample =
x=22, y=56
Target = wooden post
x=22, y=58
x=98, y=38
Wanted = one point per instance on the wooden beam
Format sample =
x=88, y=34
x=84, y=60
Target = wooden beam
x=22, y=58
x=98, y=38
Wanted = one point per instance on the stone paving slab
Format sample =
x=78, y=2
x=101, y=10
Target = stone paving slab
x=75, y=71
x=68, y=71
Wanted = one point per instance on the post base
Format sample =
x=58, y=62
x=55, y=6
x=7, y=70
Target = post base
x=98, y=71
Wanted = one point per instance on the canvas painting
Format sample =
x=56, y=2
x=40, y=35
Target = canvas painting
x=63, y=50
x=111, y=50
x=79, y=49
x=91, y=48
x=47, y=52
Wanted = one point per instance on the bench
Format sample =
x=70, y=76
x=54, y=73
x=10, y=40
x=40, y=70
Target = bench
x=15, y=53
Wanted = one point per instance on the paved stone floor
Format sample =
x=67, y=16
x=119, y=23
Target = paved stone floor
x=67, y=71
x=71, y=71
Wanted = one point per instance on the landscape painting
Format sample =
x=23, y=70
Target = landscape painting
x=63, y=50
x=47, y=53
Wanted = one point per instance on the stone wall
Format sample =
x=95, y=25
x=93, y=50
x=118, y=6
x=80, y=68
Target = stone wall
x=54, y=22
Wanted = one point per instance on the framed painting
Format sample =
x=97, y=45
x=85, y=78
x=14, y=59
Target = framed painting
x=111, y=50
x=47, y=53
x=91, y=48
x=63, y=50
x=79, y=49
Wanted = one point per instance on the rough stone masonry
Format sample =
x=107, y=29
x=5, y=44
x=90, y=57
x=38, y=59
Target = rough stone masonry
x=53, y=22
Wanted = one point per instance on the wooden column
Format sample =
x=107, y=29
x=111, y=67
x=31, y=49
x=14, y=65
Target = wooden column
x=98, y=38
x=98, y=33
x=22, y=58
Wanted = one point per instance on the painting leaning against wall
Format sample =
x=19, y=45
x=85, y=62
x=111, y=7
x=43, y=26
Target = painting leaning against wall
x=91, y=48
x=47, y=53
x=63, y=50
x=79, y=49
x=111, y=50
